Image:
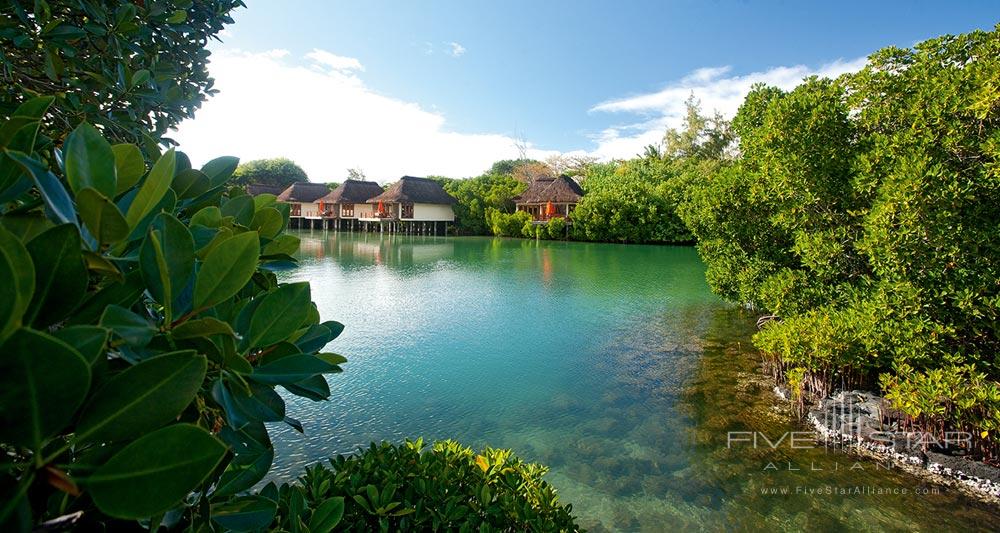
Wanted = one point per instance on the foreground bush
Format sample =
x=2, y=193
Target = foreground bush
x=142, y=333
x=407, y=487
x=863, y=212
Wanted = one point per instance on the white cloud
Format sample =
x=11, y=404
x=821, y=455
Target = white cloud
x=455, y=49
x=333, y=61
x=328, y=120
x=664, y=109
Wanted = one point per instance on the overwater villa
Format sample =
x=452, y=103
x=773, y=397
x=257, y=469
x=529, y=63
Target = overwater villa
x=255, y=189
x=345, y=205
x=548, y=197
x=412, y=205
x=303, y=198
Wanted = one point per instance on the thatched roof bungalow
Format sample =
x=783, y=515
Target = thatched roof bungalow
x=416, y=199
x=256, y=189
x=548, y=197
x=349, y=200
x=303, y=198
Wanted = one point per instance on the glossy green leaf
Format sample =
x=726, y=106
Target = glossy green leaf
x=166, y=259
x=129, y=165
x=101, y=216
x=57, y=200
x=143, y=397
x=220, y=169
x=154, y=473
x=25, y=226
x=123, y=293
x=253, y=455
x=260, y=403
x=89, y=341
x=264, y=200
x=281, y=312
x=28, y=114
x=209, y=217
x=291, y=369
x=152, y=190
x=227, y=268
x=18, y=273
x=282, y=244
x=240, y=208
x=190, y=184
x=327, y=515
x=267, y=222
x=89, y=161
x=130, y=327
x=44, y=381
x=248, y=513
x=202, y=327
x=314, y=388
x=60, y=275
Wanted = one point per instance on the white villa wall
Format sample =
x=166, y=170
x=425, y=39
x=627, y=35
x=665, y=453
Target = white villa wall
x=428, y=212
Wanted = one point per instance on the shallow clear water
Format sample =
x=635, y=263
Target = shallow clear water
x=612, y=364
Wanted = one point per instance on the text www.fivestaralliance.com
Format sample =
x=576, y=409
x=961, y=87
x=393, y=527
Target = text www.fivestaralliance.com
x=847, y=490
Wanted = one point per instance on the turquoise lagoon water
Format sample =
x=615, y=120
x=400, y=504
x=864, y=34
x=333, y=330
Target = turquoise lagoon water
x=612, y=364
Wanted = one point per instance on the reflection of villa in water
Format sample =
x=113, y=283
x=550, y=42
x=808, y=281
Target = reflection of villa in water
x=386, y=249
x=411, y=205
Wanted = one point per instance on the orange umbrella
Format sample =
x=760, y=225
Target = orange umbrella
x=381, y=208
x=550, y=209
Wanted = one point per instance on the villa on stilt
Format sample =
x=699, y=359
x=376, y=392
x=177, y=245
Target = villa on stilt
x=344, y=206
x=411, y=205
x=547, y=198
x=305, y=211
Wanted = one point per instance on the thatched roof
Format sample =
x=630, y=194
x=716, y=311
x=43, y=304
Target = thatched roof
x=353, y=192
x=254, y=189
x=415, y=190
x=303, y=191
x=563, y=189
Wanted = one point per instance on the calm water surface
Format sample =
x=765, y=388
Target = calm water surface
x=612, y=364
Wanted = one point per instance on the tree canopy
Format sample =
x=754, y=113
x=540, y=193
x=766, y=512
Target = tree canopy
x=279, y=171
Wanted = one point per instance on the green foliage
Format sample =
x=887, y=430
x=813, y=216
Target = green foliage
x=135, y=69
x=476, y=196
x=556, y=228
x=507, y=224
x=279, y=171
x=142, y=334
x=862, y=211
x=629, y=202
x=408, y=487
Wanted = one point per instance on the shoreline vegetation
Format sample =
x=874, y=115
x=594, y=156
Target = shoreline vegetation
x=143, y=330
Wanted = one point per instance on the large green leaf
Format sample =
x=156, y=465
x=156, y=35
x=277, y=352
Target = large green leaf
x=227, y=268
x=123, y=293
x=291, y=369
x=220, y=169
x=267, y=221
x=132, y=328
x=57, y=200
x=18, y=274
x=101, y=216
x=60, y=275
x=89, y=341
x=253, y=455
x=166, y=259
x=190, y=184
x=143, y=397
x=280, y=313
x=156, y=472
x=42, y=383
x=129, y=165
x=209, y=217
x=248, y=513
x=240, y=208
x=152, y=190
x=89, y=161
x=315, y=388
x=327, y=515
x=28, y=114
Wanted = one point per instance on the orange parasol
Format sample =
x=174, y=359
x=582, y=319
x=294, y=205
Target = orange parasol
x=381, y=208
x=550, y=209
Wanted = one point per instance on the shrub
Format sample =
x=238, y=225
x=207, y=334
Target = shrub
x=507, y=224
x=556, y=228
x=528, y=230
x=279, y=171
x=404, y=487
x=142, y=333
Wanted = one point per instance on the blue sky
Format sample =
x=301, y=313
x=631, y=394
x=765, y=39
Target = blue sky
x=464, y=78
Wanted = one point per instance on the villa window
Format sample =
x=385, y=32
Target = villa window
x=347, y=210
x=407, y=211
x=296, y=210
